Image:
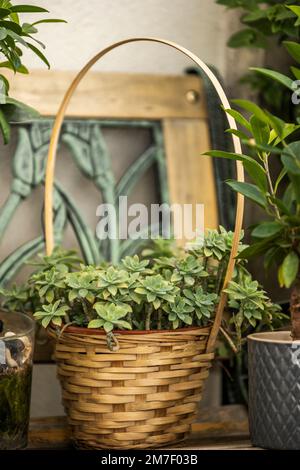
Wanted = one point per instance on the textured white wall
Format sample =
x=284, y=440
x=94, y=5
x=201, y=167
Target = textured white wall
x=93, y=24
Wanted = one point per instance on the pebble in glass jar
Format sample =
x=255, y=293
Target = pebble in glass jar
x=16, y=351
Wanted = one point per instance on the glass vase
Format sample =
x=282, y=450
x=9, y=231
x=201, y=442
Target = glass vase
x=16, y=351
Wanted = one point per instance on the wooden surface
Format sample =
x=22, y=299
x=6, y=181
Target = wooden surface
x=112, y=95
x=217, y=429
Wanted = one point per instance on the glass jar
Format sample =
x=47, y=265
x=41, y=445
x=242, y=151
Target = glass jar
x=16, y=351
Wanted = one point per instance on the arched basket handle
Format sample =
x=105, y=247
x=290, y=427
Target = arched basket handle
x=50, y=167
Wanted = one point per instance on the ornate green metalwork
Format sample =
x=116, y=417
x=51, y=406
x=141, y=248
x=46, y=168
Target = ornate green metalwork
x=87, y=146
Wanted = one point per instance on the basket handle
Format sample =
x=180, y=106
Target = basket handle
x=49, y=179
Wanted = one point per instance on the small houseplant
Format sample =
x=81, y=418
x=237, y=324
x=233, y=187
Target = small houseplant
x=274, y=357
x=16, y=332
x=177, y=290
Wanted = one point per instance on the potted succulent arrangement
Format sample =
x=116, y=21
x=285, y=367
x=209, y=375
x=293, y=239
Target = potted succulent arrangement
x=119, y=392
x=16, y=331
x=274, y=358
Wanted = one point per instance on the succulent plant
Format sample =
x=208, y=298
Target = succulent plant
x=188, y=271
x=111, y=281
x=134, y=265
x=54, y=313
x=179, y=312
x=204, y=304
x=167, y=292
x=157, y=290
x=110, y=315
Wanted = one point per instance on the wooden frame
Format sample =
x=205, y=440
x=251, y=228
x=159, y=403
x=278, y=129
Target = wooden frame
x=178, y=102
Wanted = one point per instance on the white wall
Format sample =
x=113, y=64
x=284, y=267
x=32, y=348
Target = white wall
x=197, y=24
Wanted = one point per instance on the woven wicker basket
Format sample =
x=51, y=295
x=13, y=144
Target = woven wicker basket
x=146, y=394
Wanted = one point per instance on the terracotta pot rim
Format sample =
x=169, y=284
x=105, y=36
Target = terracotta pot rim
x=97, y=332
x=276, y=337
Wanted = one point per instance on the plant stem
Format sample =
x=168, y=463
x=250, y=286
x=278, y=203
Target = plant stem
x=229, y=340
x=148, y=317
x=266, y=165
x=219, y=279
x=159, y=322
x=295, y=310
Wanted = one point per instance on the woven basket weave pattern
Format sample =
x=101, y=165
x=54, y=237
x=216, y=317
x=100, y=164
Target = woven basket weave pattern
x=142, y=396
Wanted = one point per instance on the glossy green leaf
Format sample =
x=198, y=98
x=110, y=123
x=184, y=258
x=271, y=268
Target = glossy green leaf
x=239, y=118
x=7, y=65
x=279, y=77
x=50, y=20
x=250, y=191
x=39, y=54
x=267, y=229
x=4, y=12
x=12, y=26
x=256, y=249
x=296, y=10
x=27, y=9
x=296, y=72
x=252, y=108
x=19, y=112
x=260, y=131
x=291, y=158
x=253, y=168
x=290, y=268
x=293, y=49
x=240, y=134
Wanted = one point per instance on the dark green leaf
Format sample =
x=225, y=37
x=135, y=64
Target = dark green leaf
x=239, y=118
x=253, y=168
x=295, y=180
x=252, y=108
x=4, y=12
x=280, y=204
x=238, y=133
x=291, y=158
x=12, y=26
x=256, y=249
x=7, y=65
x=247, y=38
x=51, y=20
x=28, y=9
x=289, y=196
x=279, y=77
x=39, y=54
x=260, y=131
x=19, y=112
x=250, y=191
x=267, y=229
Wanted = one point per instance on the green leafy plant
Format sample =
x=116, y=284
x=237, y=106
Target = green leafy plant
x=278, y=236
x=144, y=293
x=15, y=36
x=266, y=23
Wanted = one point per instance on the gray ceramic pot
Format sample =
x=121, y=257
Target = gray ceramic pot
x=274, y=390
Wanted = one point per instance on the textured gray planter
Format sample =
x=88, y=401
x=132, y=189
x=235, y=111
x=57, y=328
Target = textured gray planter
x=274, y=390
